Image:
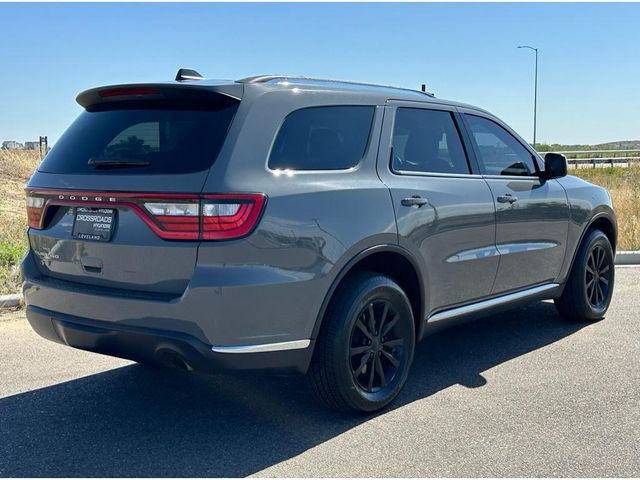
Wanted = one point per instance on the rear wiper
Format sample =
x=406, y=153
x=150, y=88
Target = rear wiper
x=116, y=163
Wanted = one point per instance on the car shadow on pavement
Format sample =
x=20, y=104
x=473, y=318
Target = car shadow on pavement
x=139, y=421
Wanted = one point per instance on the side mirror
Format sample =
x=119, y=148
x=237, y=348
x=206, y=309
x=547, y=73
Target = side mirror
x=555, y=165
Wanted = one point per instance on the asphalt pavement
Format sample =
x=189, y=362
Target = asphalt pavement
x=522, y=393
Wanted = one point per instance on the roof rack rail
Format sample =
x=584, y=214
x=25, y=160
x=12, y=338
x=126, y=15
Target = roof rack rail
x=272, y=78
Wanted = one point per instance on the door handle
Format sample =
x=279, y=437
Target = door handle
x=507, y=198
x=415, y=201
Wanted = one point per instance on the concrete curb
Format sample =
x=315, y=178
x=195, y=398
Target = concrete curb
x=622, y=258
x=11, y=301
x=628, y=258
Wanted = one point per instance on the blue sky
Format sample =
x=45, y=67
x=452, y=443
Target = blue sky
x=589, y=72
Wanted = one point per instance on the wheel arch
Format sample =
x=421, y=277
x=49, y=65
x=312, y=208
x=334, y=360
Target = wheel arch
x=393, y=261
x=604, y=222
x=607, y=225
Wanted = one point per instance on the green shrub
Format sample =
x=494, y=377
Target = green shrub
x=10, y=254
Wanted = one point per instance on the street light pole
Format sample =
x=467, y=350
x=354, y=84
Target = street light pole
x=535, y=93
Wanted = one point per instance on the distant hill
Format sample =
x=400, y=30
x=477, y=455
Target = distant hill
x=624, y=144
x=621, y=145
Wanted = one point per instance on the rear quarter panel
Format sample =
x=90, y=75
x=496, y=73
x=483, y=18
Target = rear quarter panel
x=276, y=280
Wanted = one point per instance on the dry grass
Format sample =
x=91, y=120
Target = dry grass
x=624, y=187
x=16, y=168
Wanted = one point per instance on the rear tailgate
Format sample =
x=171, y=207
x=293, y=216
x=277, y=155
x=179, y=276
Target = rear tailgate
x=115, y=203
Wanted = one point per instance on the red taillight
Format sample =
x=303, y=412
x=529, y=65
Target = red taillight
x=35, y=211
x=170, y=216
x=177, y=220
x=230, y=216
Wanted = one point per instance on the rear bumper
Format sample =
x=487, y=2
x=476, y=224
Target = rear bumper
x=209, y=328
x=168, y=348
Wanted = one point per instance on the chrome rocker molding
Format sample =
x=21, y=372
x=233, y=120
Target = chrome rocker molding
x=265, y=347
x=528, y=294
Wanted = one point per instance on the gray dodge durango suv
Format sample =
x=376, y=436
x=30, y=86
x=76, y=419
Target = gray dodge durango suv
x=289, y=224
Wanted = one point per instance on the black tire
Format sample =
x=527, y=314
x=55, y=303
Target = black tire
x=587, y=294
x=355, y=346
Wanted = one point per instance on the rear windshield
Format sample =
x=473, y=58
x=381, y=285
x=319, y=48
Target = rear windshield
x=140, y=141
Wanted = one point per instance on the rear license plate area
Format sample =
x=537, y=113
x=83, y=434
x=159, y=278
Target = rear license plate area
x=94, y=223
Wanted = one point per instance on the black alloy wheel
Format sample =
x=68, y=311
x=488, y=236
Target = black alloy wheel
x=589, y=287
x=365, y=347
x=597, y=277
x=377, y=342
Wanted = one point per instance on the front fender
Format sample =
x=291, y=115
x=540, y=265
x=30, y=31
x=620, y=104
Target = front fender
x=589, y=204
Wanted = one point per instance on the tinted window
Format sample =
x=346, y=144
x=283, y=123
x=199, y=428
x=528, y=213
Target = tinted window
x=427, y=141
x=155, y=140
x=500, y=152
x=322, y=138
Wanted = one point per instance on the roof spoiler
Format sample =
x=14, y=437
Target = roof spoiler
x=128, y=93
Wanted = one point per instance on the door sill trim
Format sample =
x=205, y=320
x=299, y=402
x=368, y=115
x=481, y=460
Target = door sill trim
x=529, y=293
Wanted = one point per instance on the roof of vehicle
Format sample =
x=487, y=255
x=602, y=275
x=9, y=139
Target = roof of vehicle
x=376, y=92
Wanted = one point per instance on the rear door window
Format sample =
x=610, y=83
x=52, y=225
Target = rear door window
x=140, y=141
x=427, y=141
x=322, y=138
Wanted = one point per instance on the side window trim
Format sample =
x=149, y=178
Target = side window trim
x=465, y=135
x=477, y=155
x=460, y=129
